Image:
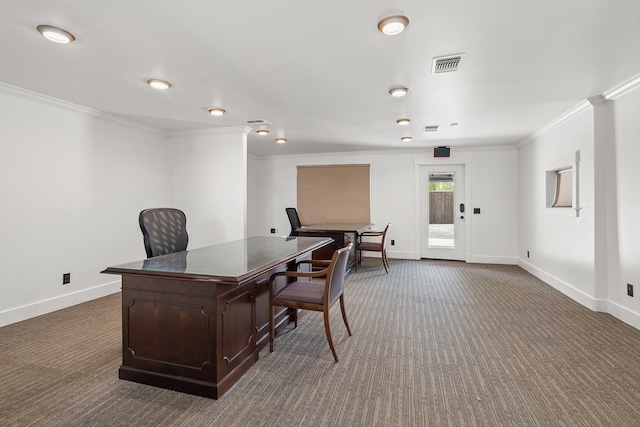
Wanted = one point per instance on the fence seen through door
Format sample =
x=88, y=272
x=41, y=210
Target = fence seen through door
x=441, y=207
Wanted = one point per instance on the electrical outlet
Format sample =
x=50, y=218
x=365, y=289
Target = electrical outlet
x=393, y=242
x=66, y=278
x=629, y=289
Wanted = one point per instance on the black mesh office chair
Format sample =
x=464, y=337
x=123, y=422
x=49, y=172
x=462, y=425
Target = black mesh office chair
x=164, y=231
x=292, y=213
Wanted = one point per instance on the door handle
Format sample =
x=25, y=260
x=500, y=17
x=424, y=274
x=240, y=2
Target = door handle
x=462, y=208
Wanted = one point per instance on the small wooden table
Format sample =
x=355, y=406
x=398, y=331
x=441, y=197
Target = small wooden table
x=194, y=321
x=342, y=235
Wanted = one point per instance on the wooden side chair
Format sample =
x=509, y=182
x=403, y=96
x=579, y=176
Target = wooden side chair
x=307, y=294
x=373, y=246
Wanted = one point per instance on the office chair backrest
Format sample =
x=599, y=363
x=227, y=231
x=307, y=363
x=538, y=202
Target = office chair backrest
x=336, y=276
x=292, y=213
x=164, y=231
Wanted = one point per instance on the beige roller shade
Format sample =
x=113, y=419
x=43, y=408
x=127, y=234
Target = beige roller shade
x=333, y=194
x=564, y=189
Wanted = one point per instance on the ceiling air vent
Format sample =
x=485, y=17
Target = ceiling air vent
x=446, y=64
x=432, y=128
x=258, y=122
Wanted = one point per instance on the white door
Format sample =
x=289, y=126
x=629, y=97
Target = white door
x=442, y=212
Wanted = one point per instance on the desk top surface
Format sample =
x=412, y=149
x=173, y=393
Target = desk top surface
x=234, y=261
x=356, y=227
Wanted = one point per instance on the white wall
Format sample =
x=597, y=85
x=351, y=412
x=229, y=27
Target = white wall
x=255, y=197
x=561, y=247
x=72, y=183
x=393, y=197
x=592, y=257
x=209, y=183
x=493, y=190
x=627, y=209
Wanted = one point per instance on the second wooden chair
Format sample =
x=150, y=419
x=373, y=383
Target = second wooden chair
x=374, y=246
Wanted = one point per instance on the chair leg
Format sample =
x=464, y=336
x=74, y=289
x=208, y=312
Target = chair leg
x=357, y=258
x=328, y=331
x=271, y=327
x=344, y=314
x=385, y=262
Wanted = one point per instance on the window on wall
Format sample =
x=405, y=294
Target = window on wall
x=333, y=194
x=564, y=189
x=562, y=192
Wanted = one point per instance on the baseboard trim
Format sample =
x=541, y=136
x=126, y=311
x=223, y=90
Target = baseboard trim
x=390, y=254
x=18, y=314
x=494, y=260
x=619, y=312
x=562, y=286
x=622, y=313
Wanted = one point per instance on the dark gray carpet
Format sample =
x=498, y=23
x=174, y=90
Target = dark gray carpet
x=434, y=343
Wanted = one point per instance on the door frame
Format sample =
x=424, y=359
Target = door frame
x=463, y=161
x=458, y=251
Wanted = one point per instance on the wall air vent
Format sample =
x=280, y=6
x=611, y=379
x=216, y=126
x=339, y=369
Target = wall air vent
x=432, y=128
x=446, y=64
x=258, y=122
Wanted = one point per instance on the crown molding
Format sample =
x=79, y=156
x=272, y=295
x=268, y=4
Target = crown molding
x=45, y=99
x=612, y=94
x=623, y=88
x=211, y=131
x=398, y=152
x=582, y=106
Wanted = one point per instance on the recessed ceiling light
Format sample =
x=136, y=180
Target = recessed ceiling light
x=392, y=25
x=159, y=84
x=454, y=124
x=262, y=132
x=406, y=138
x=215, y=111
x=398, y=91
x=281, y=140
x=55, y=34
x=403, y=122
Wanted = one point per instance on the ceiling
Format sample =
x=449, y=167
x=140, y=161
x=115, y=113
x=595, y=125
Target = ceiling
x=320, y=71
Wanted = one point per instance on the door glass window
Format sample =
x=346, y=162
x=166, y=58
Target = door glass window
x=441, y=210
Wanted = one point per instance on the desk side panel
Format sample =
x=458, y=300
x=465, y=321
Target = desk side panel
x=168, y=326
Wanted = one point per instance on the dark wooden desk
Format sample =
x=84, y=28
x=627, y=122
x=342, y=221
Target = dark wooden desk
x=194, y=321
x=342, y=234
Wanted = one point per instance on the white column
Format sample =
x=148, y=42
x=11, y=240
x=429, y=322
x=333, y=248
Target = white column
x=606, y=258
